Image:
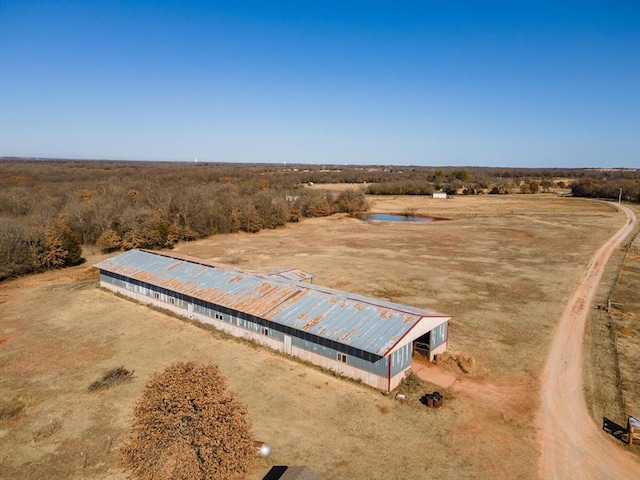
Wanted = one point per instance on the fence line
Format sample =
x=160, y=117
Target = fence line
x=612, y=323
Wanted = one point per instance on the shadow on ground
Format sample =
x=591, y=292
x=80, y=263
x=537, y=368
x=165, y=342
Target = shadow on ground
x=615, y=430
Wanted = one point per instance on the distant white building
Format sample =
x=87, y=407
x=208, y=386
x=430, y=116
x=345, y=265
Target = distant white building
x=439, y=195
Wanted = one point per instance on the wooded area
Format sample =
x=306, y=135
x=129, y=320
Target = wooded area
x=50, y=208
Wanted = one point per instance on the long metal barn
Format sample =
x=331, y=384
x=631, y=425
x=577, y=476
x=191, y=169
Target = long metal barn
x=359, y=337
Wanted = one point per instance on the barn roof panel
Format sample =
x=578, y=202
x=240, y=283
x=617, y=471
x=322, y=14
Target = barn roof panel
x=291, y=274
x=365, y=323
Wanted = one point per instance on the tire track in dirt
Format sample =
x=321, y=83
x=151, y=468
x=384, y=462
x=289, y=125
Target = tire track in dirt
x=572, y=445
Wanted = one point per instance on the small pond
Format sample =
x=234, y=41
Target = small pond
x=387, y=217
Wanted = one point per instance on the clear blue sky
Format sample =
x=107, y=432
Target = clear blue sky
x=513, y=83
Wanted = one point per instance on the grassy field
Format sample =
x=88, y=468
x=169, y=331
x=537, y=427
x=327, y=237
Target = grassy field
x=613, y=340
x=503, y=266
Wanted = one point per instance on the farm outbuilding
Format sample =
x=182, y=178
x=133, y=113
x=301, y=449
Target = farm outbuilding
x=356, y=336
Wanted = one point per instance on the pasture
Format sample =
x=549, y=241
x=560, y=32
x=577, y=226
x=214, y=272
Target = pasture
x=502, y=266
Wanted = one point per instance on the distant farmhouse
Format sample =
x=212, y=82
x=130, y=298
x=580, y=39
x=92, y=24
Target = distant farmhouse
x=359, y=337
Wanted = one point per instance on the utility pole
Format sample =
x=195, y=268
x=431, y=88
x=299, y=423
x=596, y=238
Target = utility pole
x=620, y=196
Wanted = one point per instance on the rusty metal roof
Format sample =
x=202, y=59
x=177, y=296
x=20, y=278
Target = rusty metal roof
x=291, y=274
x=365, y=323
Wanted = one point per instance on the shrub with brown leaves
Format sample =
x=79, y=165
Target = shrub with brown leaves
x=188, y=426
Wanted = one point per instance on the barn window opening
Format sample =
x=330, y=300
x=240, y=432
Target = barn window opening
x=342, y=357
x=265, y=331
x=422, y=344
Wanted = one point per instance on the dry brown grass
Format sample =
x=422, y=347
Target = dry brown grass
x=45, y=431
x=10, y=409
x=613, y=341
x=503, y=267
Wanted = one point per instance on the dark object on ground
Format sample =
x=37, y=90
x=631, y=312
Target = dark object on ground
x=432, y=400
x=282, y=472
x=113, y=377
x=10, y=410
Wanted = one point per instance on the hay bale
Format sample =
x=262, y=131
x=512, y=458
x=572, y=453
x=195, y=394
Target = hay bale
x=466, y=363
x=461, y=363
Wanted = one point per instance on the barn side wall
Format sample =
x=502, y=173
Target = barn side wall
x=439, y=340
x=342, y=359
x=396, y=379
x=437, y=351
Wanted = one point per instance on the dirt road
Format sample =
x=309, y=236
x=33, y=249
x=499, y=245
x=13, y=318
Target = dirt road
x=572, y=445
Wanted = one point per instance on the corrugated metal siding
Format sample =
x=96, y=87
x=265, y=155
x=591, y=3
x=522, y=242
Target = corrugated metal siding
x=366, y=367
x=438, y=350
x=438, y=336
x=235, y=326
x=401, y=359
x=375, y=365
x=205, y=312
x=395, y=380
x=291, y=274
x=366, y=324
x=374, y=374
x=372, y=379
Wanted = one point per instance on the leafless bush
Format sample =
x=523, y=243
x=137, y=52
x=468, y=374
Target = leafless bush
x=10, y=409
x=113, y=377
x=46, y=430
x=409, y=212
x=188, y=426
x=411, y=384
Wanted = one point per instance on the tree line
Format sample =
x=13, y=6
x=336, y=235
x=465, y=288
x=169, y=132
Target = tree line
x=626, y=189
x=48, y=210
